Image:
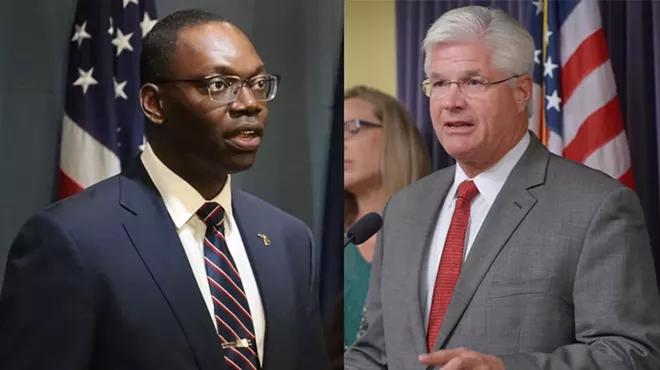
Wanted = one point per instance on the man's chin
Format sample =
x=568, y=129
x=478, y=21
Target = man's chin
x=241, y=162
x=459, y=152
x=227, y=163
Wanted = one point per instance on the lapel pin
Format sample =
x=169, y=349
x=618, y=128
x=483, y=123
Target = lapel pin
x=264, y=238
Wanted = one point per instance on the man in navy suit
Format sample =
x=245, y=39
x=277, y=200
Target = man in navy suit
x=165, y=266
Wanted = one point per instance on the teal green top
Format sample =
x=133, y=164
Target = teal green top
x=356, y=285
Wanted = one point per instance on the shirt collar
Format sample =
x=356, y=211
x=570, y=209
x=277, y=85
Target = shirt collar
x=181, y=199
x=491, y=181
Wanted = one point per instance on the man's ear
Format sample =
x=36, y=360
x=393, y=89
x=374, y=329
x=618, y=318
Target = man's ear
x=523, y=91
x=151, y=103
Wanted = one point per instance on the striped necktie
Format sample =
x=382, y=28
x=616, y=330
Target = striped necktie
x=230, y=305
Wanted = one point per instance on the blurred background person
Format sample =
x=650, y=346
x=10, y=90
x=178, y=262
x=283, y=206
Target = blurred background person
x=383, y=153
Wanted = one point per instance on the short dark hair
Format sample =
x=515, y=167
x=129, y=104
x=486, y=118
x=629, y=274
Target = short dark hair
x=160, y=43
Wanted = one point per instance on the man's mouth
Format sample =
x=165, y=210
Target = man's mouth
x=246, y=134
x=246, y=139
x=458, y=124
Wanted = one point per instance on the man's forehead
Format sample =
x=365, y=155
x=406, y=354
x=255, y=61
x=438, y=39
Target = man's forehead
x=468, y=57
x=216, y=46
x=468, y=48
x=212, y=33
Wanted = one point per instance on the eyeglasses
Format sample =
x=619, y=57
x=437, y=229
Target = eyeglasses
x=353, y=126
x=227, y=89
x=470, y=87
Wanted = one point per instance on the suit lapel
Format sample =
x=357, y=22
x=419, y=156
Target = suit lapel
x=269, y=266
x=509, y=209
x=154, y=236
x=426, y=212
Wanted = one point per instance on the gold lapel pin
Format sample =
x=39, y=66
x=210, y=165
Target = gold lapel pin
x=265, y=239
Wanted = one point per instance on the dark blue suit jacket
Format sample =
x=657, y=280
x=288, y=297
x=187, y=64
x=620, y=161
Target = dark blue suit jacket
x=101, y=281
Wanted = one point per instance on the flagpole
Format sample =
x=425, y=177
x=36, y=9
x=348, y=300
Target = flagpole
x=544, y=129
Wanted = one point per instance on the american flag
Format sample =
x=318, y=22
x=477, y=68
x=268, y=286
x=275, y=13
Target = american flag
x=103, y=125
x=576, y=107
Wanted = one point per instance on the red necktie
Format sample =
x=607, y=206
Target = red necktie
x=451, y=260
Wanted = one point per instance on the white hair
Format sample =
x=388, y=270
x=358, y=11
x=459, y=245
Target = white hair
x=511, y=46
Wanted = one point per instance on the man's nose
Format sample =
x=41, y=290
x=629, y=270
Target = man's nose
x=453, y=98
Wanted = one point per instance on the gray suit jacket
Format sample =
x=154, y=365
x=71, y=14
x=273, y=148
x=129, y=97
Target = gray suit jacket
x=560, y=275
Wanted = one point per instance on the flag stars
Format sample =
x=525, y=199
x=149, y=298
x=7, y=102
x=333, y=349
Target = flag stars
x=539, y=6
x=537, y=54
x=122, y=42
x=553, y=101
x=549, y=67
x=81, y=34
x=111, y=30
x=146, y=24
x=547, y=36
x=119, y=89
x=85, y=79
x=126, y=2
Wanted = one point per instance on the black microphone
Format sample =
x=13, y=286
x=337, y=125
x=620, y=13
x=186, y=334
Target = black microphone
x=363, y=229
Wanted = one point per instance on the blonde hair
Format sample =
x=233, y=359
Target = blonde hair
x=405, y=157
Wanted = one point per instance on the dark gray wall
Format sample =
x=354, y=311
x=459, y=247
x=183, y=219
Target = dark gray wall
x=299, y=39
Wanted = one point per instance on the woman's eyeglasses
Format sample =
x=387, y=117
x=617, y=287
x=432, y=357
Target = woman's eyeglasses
x=354, y=126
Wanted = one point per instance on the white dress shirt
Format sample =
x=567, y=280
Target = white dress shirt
x=182, y=202
x=489, y=183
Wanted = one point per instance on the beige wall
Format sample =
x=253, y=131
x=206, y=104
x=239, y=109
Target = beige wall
x=370, y=44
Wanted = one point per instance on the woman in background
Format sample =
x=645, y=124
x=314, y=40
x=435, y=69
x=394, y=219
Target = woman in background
x=383, y=153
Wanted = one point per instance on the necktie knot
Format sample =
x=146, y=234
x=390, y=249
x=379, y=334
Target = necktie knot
x=211, y=213
x=467, y=190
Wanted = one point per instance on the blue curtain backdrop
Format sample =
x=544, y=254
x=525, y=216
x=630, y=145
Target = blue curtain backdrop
x=633, y=40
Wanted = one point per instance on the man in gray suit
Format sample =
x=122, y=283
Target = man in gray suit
x=515, y=258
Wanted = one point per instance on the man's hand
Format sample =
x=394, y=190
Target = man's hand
x=462, y=359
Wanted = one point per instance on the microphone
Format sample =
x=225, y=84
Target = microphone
x=363, y=229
